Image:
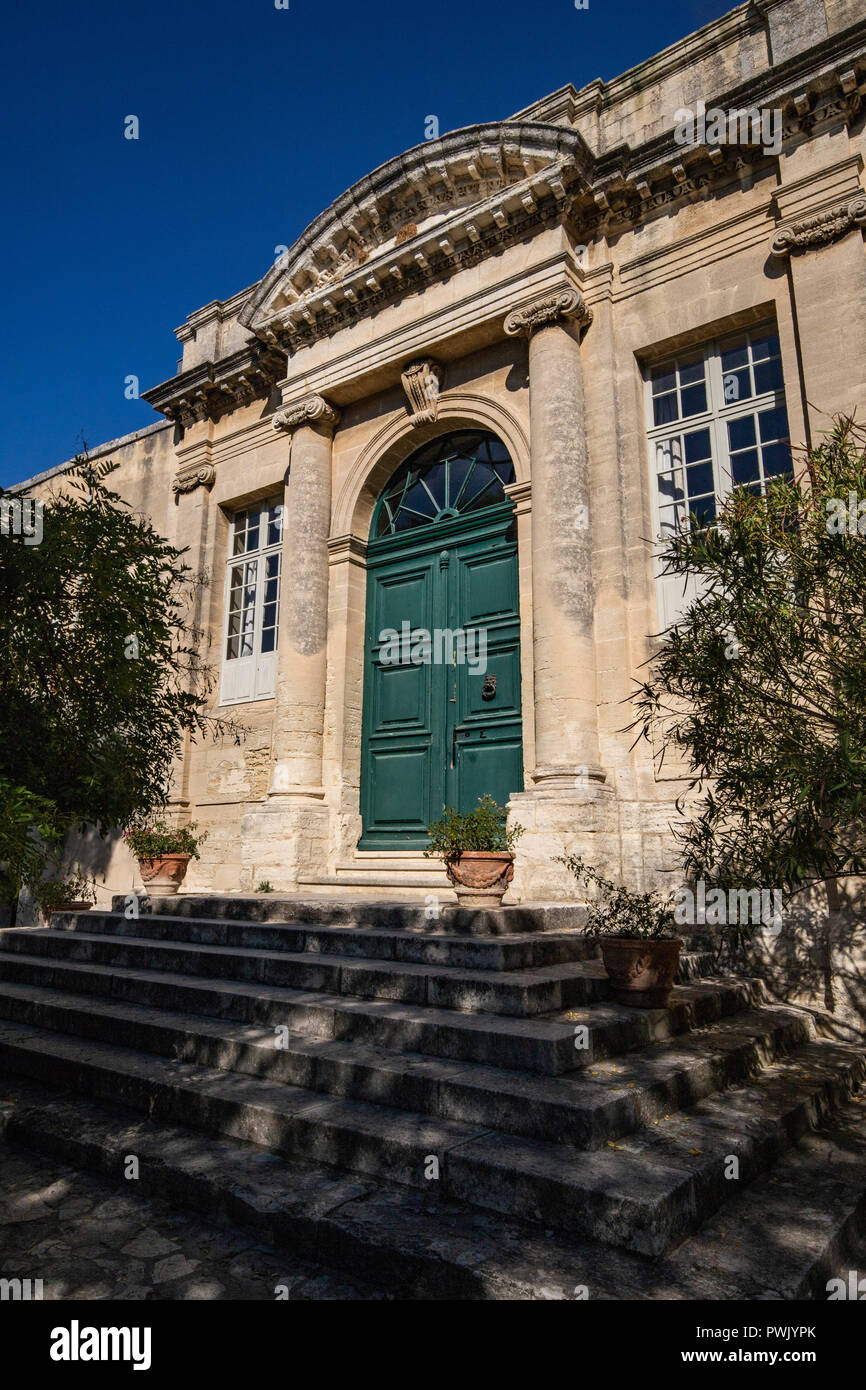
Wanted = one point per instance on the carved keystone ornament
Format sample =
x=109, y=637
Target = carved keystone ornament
x=422, y=382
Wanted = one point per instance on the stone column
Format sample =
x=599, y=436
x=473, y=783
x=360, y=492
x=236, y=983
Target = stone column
x=569, y=806
x=286, y=839
x=302, y=651
x=566, y=736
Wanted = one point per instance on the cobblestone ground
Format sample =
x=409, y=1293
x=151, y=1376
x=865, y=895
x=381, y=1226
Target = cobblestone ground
x=86, y=1237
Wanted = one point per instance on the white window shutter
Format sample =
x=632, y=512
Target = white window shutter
x=238, y=680
x=265, y=676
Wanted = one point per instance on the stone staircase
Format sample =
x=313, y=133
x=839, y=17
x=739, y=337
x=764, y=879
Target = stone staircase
x=455, y=1114
x=401, y=875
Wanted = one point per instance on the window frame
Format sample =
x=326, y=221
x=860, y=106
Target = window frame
x=715, y=418
x=244, y=679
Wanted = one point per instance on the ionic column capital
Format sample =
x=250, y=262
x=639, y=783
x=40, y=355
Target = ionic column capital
x=187, y=480
x=821, y=228
x=545, y=312
x=312, y=410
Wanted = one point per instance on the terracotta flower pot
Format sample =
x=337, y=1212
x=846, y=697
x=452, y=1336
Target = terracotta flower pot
x=641, y=971
x=480, y=877
x=163, y=876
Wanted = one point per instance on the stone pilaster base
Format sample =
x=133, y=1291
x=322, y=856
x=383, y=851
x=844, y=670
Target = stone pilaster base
x=283, y=838
x=627, y=840
x=580, y=820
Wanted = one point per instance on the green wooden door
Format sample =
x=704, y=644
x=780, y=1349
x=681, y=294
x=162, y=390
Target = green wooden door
x=442, y=715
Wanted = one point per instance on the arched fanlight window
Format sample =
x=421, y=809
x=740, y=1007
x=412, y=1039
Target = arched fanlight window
x=446, y=478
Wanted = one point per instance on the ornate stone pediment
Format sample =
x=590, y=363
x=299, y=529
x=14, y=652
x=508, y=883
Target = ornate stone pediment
x=447, y=203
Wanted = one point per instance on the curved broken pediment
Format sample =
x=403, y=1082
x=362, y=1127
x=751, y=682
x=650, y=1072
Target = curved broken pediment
x=447, y=201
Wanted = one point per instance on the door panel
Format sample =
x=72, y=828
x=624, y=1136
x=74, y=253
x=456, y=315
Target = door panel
x=402, y=705
x=487, y=740
x=489, y=585
x=402, y=700
x=434, y=733
x=400, y=790
x=487, y=763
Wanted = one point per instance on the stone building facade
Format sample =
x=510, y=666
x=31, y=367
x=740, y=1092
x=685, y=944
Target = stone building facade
x=601, y=316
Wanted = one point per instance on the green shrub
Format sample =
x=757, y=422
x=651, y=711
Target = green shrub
x=482, y=829
x=153, y=841
x=68, y=889
x=618, y=911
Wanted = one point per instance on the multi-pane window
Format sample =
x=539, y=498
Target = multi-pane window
x=716, y=419
x=252, y=603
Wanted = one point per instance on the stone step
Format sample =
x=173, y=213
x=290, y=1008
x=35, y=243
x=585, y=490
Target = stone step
x=409, y=876
x=642, y=1194
x=426, y=871
x=551, y=1045
x=520, y=952
x=587, y=1110
x=352, y=912
x=408, y=888
x=781, y=1237
x=514, y=994
x=378, y=857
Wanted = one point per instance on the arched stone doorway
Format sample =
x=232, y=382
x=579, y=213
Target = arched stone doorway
x=442, y=688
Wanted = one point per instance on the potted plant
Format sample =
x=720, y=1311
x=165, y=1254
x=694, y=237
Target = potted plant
x=163, y=853
x=635, y=930
x=477, y=850
x=69, y=893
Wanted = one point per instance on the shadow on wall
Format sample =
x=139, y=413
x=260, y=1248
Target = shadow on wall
x=106, y=860
x=802, y=965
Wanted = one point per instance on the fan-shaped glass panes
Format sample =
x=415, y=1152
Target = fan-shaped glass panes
x=448, y=477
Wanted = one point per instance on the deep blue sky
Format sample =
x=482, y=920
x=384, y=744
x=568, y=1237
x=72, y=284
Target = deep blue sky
x=252, y=120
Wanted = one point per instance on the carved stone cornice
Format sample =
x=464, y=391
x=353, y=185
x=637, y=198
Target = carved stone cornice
x=312, y=410
x=630, y=186
x=189, y=480
x=821, y=228
x=452, y=203
x=543, y=313
x=422, y=382
x=213, y=389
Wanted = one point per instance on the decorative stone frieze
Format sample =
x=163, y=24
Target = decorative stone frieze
x=422, y=382
x=312, y=410
x=188, y=481
x=821, y=228
x=542, y=313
